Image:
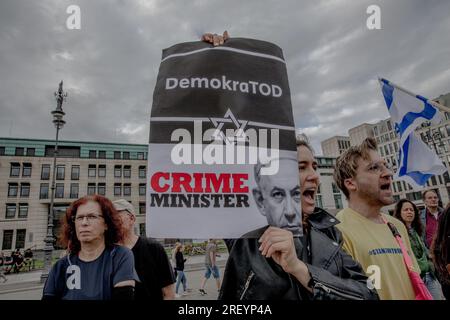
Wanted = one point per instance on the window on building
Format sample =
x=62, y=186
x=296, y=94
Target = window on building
x=141, y=207
x=116, y=154
x=2, y=151
x=7, y=239
x=117, y=171
x=10, y=211
x=101, y=189
x=399, y=186
x=43, y=191
x=396, y=198
x=31, y=152
x=142, y=172
x=433, y=180
x=394, y=186
x=335, y=188
x=126, y=155
x=102, y=170
x=127, y=189
x=127, y=171
x=60, y=172
x=386, y=151
x=45, y=172
x=15, y=169
x=338, y=201
x=142, y=229
x=140, y=156
x=117, y=189
x=75, y=174
x=23, y=210
x=319, y=202
x=102, y=154
x=74, y=190
x=19, y=151
x=92, y=154
x=59, y=191
x=92, y=171
x=24, y=190
x=142, y=189
x=13, y=189
x=26, y=170
x=91, y=188
x=446, y=177
x=20, y=238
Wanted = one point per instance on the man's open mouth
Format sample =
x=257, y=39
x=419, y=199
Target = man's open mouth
x=309, y=193
x=386, y=186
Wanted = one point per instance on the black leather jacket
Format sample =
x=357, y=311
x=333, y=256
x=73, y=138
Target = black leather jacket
x=334, y=274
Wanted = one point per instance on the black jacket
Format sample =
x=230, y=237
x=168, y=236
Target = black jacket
x=334, y=274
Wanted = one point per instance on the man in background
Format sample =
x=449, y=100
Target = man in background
x=150, y=259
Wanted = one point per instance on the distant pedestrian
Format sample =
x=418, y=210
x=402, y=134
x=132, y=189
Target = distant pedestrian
x=210, y=265
x=179, y=268
x=96, y=268
x=150, y=259
x=2, y=264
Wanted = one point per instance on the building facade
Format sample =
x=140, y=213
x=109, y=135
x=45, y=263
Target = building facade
x=335, y=146
x=329, y=197
x=110, y=169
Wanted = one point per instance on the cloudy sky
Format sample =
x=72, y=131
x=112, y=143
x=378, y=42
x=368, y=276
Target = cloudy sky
x=110, y=66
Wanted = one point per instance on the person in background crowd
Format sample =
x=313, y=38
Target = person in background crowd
x=18, y=261
x=2, y=271
x=430, y=215
x=95, y=268
x=28, y=255
x=407, y=212
x=210, y=265
x=150, y=259
x=441, y=251
x=366, y=180
x=179, y=267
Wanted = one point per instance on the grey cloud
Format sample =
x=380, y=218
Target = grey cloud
x=110, y=66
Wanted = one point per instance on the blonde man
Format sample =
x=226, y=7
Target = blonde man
x=365, y=179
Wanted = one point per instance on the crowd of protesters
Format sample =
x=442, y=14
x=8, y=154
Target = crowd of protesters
x=361, y=253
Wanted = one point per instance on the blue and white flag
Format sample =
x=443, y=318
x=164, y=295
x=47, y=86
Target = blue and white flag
x=417, y=162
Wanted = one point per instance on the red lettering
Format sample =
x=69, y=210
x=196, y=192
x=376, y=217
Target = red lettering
x=179, y=182
x=238, y=180
x=224, y=179
x=181, y=179
x=155, y=181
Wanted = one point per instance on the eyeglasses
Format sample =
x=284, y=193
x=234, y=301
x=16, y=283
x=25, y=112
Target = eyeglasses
x=378, y=167
x=89, y=217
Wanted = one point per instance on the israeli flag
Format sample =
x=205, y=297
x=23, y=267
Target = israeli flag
x=417, y=162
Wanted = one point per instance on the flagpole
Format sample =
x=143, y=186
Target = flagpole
x=433, y=103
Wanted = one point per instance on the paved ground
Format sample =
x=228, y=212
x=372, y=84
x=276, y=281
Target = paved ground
x=27, y=286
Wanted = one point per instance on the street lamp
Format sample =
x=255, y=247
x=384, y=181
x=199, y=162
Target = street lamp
x=58, y=121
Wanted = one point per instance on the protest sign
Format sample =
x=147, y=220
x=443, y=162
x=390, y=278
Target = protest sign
x=222, y=155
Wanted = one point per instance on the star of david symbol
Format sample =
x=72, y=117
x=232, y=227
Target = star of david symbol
x=239, y=132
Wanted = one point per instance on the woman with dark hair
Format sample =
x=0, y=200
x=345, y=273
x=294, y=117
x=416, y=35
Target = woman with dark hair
x=441, y=251
x=95, y=267
x=408, y=213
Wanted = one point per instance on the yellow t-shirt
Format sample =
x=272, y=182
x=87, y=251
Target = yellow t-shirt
x=372, y=244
